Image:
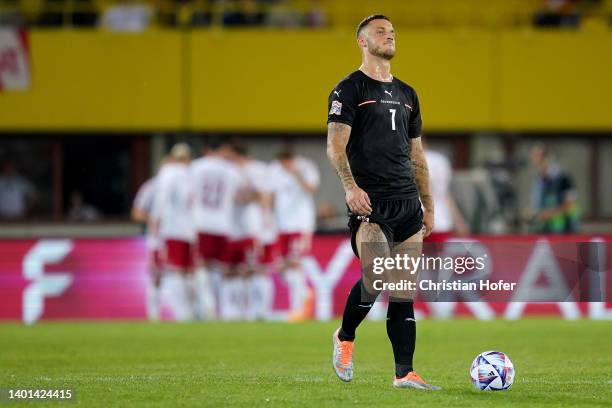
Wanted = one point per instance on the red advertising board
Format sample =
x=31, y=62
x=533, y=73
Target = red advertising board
x=107, y=279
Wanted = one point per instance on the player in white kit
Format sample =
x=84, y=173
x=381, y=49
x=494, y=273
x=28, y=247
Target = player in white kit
x=253, y=223
x=141, y=212
x=172, y=217
x=293, y=182
x=215, y=182
x=448, y=216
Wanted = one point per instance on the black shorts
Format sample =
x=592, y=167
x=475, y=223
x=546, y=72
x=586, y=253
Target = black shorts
x=398, y=220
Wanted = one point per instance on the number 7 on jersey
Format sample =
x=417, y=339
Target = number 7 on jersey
x=392, y=118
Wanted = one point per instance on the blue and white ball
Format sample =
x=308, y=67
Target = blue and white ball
x=492, y=371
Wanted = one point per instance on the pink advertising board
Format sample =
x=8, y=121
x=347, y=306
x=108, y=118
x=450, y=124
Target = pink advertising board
x=91, y=279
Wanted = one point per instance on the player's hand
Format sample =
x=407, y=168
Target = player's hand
x=428, y=222
x=358, y=201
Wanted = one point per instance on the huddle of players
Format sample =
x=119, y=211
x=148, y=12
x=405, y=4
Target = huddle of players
x=219, y=224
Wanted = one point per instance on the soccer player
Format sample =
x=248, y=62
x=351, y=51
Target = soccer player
x=268, y=255
x=374, y=143
x=239, y=256
x=171, y=215
x=216, y=180
x=293, y=182
x=253, y=219
x=141, y=212
x=448, y=217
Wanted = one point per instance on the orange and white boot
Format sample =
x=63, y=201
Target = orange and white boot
x=342, y=358
x=413, y=380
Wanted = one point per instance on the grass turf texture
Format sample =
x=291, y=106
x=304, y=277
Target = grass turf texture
x=558, y=363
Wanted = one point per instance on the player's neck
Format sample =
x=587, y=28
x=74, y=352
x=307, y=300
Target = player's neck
x=377, y=68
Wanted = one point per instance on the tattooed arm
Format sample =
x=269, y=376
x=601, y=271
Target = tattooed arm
x=420, y=172
x=337, y=138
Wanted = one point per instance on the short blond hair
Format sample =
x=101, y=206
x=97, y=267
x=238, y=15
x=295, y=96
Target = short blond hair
x=367, y=20
x=181, y=152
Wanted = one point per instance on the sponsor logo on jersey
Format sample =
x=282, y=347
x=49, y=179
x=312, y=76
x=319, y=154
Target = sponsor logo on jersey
x=336, y=108
x=391, y=102
x=390, y=93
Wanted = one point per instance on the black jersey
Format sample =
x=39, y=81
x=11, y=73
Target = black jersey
x=383, y=116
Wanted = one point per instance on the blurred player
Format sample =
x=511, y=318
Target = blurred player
x=269, y=257
x=239, y=255
x=215, y=182
x=254, y=220
x=448, y=217
x=141, y=212
x=293, y=182
x=374, y=143
x=172, y=216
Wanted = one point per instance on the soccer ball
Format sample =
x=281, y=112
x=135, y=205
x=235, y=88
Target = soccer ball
x=492, y=370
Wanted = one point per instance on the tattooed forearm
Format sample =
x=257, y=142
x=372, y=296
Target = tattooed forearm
x=420, y=172
x=337, y=139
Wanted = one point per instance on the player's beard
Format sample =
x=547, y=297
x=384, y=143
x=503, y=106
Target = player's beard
x=380, y=52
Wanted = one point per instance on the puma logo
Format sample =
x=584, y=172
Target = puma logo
x=389, y=92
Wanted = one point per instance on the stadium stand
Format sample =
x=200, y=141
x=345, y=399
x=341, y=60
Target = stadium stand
x=291, y=13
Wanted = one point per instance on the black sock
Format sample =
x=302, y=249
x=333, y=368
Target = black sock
x=355, y=311
x=401, y=329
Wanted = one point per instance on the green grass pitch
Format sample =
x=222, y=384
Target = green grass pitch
x=558, y=363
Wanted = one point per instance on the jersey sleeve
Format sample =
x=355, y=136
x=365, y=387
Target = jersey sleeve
x=144, y=197
x=263, y=181
x=272, y=177
x=159, y=195
x=260, y=178
x=194, y=183
x=342, y=103
x=415, y=123
x=311, y=173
